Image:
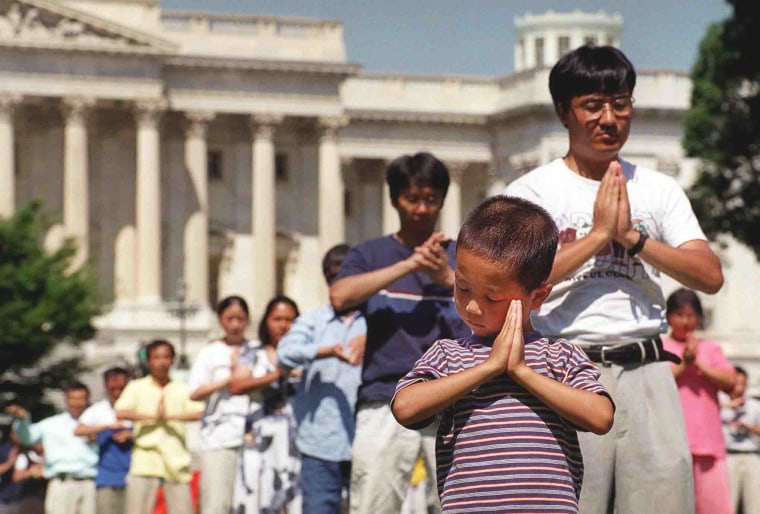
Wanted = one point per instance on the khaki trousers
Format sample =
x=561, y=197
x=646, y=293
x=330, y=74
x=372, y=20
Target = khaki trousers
x=643, y=465
x=744, y=476
x=69, y=496
x=383, y=457
x=141, y=495
x=218, y=468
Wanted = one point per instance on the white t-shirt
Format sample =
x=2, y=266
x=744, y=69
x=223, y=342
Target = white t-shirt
x=612, y=297
x=99, y=413
x=223, y=422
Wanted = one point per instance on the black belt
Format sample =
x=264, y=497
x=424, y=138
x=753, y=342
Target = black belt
x=639, y=352
x=743, y=452
x=71, y=476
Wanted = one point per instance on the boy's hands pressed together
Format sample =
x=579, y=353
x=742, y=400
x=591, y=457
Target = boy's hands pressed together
x=507, y=353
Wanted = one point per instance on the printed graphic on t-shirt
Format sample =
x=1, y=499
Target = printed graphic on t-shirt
x=612, y=260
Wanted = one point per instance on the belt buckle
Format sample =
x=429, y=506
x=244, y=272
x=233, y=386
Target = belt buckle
x=603, y=358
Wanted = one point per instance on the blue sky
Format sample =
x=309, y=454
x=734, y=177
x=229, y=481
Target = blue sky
x=476, y=37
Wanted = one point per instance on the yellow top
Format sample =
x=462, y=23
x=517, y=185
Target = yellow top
x=159, y=449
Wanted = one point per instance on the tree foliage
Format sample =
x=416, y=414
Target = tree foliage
x=723, y=127
x=42, y=304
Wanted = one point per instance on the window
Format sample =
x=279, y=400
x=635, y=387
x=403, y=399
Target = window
x=281, y=167
x=539, y=52
x=214, y=163
x=590, y=40
x=563, y=45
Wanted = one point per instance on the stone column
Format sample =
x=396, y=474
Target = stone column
x=196, y=270
x=264, y=203
x=451, y=214
x=76, y=213
x=497, y=181
x=148, y=208
x=332, y=224
x=8, y=103
x=390, y=214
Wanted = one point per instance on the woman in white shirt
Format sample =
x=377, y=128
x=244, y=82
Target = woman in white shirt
x=223, y=422
x=268, y=478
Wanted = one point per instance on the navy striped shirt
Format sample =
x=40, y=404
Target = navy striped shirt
x=501, y=449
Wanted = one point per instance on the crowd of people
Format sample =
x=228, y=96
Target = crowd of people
x=521, y=367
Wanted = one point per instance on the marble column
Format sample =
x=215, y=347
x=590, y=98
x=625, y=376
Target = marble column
x=8, y=104
x=391, y=223
x=451, y=214
x=497, y=182
x=148, y=208
x=264, y=203
x=76, y=201
x=196, y=259
x=332, y=223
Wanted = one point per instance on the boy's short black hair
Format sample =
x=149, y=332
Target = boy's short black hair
x=590, y=69
x=422, y=169
x=515, y=234
x=157, y=343
x=76, y=385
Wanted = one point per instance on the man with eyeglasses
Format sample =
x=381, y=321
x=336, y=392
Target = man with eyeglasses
x=621, y=226
x=403, y=284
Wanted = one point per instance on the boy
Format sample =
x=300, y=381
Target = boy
x=508, y=402
x=114, y=440
x=159, y=408
x=621, y=226
x=329, y=346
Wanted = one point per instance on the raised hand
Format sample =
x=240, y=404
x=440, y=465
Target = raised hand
x=161, y=410
x=432, y=259
x=690, y=351
x=624, y=225
x=507, y=352
x=17, y=411
x=606, y=205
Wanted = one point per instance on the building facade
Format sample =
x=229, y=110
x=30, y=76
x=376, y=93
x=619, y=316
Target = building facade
x=194, y=155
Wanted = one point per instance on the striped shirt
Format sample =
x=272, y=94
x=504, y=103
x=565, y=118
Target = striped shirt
x=500, y=449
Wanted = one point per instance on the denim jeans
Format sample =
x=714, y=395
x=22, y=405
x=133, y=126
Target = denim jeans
x=322, y=482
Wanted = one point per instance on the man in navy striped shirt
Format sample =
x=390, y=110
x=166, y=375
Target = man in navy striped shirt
x=508, y=401
x=402, y=283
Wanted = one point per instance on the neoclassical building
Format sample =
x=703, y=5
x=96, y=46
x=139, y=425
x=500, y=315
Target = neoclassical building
x=198, y=155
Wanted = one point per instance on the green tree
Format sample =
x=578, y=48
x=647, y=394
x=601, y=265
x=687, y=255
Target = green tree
x=42, y=304
x=723, y=127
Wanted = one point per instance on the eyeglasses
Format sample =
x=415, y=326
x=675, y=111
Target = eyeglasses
x=593, y=108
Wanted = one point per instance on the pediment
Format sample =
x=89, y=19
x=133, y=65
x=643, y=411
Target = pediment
x=49, y=24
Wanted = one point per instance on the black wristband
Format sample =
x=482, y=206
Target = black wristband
x=639, y=244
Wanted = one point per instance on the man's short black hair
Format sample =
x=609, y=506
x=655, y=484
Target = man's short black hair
x=515, y=234
x=333, y=258
x=422, y=169
x=157, y=343
x=115, y=372
x=590, y=69
x=76, y=385
x=741, y=371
